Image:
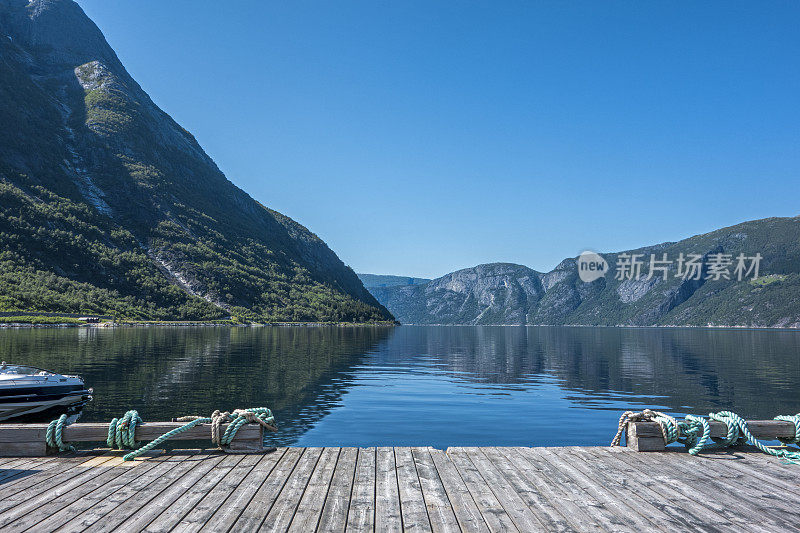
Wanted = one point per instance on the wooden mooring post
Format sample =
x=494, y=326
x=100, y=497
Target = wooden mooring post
x=647, y=436
x=28, y=440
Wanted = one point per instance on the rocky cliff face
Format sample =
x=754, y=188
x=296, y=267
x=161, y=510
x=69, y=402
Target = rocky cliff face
x=501, y=293
x=108, y=205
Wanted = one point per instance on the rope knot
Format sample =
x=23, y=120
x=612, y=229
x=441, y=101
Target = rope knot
x=669, y=426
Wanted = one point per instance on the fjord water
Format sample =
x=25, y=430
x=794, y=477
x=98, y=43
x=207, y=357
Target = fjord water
x=423, y=385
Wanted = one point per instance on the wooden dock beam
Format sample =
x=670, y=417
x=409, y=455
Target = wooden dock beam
x=647, y=436
x=28, y=440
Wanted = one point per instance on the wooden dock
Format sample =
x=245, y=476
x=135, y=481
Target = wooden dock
x=395, y=489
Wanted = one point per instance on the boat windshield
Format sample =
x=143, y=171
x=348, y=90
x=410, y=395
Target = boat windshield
x=22, y=370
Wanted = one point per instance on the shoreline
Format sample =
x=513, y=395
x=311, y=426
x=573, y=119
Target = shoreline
x=617, y=326
x=188, y=324
x=146, y=324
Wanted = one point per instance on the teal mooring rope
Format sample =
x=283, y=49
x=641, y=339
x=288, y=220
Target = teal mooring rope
x=695, y=432
x=54, y=432
x=122, y=431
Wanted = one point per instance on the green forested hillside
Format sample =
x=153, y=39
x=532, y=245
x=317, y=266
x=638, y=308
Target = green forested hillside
x=108, y=206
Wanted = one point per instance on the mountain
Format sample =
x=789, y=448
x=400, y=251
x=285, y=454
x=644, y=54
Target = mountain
x=498, y=293
x=108, y=206
x=371, y=281
x=502, y=293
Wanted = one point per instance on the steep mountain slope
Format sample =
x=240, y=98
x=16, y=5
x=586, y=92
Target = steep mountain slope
x=109, y=206
x=513, y=294
x=500, y=293
x=377, y=280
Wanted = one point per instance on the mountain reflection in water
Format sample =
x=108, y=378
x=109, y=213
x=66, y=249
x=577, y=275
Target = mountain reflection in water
x=426, y=385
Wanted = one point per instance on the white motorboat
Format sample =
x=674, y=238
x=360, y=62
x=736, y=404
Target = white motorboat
x=25, y=390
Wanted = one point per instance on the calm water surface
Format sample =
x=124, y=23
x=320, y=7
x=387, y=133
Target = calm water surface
x=409, y=385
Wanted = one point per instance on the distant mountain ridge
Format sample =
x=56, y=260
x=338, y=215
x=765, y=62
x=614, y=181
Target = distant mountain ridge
x=504, y=293
x=108, y=206
x=377, y=280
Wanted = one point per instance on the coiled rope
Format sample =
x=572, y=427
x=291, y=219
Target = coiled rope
x=694, y=432
x=122, y=431
x=55, y=430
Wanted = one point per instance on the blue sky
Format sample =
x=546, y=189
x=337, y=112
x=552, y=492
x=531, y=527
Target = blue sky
x=418, y=138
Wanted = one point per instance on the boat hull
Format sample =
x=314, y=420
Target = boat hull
x=32, y=394
x=36, y=409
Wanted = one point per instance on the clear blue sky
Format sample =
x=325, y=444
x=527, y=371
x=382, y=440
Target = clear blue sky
x=418, y=138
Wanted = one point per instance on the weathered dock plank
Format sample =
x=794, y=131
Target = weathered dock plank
x=60, y=509
x=494, y=514
x=533, y=498
x=412, y=503
x=194, y=497
x=631, y=497
x=253, y=514
x=622, y=506
x=313, y=499
x=403, y=489
x=148, y=502
x=388, y=517
x=96, y=505
x=361, y=515
x=337, y=501
x=524, y=517
x=19, y=506
x=229, y=508
x=579, y=508
x=440, y=511
x=667, y=488
x=464, y=507
x=18, y=467
x=18, y=483
x=737, y=498
x=282, y=512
